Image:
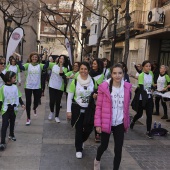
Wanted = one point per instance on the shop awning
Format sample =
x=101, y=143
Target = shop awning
x=163, y=33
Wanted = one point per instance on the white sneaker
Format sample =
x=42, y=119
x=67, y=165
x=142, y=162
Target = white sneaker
x=78, y=155
x=96, y=165
x=28, y=122
x=57, y=119
x=50, y=116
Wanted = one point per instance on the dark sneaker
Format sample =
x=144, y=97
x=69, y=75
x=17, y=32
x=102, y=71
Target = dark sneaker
x=149, y=135
x=12, y=138
x=164, y=117
x=2, y=147
x=97, y=138
x=132, y=125
x=156, y=113
x=168, y=120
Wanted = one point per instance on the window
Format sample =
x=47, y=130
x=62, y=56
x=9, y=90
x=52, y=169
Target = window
x=95, y=29
x=49, y=29
x=50, y=40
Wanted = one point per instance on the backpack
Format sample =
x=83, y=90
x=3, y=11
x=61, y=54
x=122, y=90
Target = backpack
x=159, y=132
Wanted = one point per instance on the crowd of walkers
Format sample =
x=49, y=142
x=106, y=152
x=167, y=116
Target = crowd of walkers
x=98, y=97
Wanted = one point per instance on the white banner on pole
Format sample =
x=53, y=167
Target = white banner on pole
x=67, y=43
x=13, y=42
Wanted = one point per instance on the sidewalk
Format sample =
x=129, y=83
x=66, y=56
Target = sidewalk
x=46, y=145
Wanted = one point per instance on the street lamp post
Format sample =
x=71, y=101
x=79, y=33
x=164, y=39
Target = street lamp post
x=114, y=33
x=8, y=24
x=83, y=30
x=41, y=49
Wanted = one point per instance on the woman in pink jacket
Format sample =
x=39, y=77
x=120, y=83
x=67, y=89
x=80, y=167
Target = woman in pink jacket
x=112, y=114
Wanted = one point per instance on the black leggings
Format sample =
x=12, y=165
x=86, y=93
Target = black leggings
x=7, y=117
x=82, y=133
x=157, y=100
x=55, y=99
x=149, y=111
x=118, y=135
x=28, y=95
x=43, y=80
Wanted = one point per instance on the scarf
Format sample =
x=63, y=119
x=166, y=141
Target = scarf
x=94, y=73
x=83, y=82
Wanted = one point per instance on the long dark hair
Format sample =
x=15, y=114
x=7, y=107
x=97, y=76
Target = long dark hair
x=12, y=58
x=100, y=65
x=111, y=70
x=65, y=64
x=108, y=62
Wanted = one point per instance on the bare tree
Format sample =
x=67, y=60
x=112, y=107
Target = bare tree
x=19, y=11
x=67, y=18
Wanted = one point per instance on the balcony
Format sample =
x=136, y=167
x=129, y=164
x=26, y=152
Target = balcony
x=137, y=23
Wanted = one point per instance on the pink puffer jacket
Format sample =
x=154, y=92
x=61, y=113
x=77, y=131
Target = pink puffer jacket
x=103, y=113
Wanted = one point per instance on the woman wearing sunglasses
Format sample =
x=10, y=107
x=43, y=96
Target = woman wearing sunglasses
x=2, y=71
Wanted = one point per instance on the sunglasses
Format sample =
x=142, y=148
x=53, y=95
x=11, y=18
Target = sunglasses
x=2, y=63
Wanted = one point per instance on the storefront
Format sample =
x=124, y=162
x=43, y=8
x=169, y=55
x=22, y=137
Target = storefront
x=159, y=45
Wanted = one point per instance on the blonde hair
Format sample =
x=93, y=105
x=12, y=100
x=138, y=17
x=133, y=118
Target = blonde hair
x=166, y=67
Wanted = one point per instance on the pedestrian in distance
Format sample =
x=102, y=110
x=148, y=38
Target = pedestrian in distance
x=80, y=92
x=10, y=97
x=106, y=68
x=12, y=66
x=33, y=82
x=143, y=99
x=162, y=86
x=2, y=70
x=112, y=114
x=97, y=73
x=125, y=70
x=71, y=75
x=56, y=85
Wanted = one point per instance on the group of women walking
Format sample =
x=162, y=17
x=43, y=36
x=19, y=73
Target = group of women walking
x=98, y=97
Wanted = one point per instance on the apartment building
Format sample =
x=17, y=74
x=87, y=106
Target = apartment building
x=149, y=33
x=51, y=38
x=157, y=35
x=29, y=42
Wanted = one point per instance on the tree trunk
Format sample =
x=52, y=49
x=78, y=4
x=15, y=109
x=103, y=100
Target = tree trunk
x=127, y=31
x=4, y=39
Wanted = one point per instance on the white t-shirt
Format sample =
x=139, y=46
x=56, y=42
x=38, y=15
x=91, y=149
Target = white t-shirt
x=117, y=106
x=161, y=83
x=33, y=79
x=56, y=81
x=10, y=96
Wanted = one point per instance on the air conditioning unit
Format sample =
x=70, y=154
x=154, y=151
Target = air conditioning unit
x=156, y=16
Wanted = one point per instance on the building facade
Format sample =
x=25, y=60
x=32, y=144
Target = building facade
x=52, y=37
x=29, y=42
x=149, y=33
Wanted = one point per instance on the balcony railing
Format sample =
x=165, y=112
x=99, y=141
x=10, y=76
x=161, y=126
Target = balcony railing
x=137, y=23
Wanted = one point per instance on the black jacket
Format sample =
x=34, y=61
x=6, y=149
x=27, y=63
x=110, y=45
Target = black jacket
x=88, y=115
x=135, y=101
